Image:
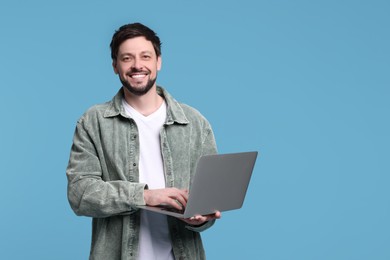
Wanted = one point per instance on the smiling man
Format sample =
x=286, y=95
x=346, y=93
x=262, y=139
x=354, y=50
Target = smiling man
x=137, y=65
x=141, y=148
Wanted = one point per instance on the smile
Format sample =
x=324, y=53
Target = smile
x=138, y=75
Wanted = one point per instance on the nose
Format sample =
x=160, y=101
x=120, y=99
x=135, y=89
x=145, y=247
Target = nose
x=137, y=64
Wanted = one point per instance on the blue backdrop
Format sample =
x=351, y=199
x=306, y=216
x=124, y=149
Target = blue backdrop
x=306, y=83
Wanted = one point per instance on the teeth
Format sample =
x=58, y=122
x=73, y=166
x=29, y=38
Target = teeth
x=137, y=76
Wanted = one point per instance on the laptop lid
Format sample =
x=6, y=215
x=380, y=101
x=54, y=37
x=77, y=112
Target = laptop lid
x=220, y=184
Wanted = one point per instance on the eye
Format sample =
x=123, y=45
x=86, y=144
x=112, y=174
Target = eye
x=146, y=57
x=126, y=58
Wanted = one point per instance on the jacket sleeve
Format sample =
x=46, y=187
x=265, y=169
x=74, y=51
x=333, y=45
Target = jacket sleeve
x=208, y=147
x=88, y=193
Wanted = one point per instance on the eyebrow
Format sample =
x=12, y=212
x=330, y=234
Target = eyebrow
x=131, y=54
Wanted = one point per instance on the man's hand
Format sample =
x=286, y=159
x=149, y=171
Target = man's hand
x=170, y=197
x=199, y=219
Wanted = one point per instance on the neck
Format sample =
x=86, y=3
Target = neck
x=146, y=104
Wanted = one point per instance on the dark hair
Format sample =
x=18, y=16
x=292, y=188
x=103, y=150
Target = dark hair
x=130, y=31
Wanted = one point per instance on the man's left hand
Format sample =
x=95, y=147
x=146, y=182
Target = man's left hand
x=199, y=220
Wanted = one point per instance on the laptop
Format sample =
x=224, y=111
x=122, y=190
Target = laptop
x=220, y=184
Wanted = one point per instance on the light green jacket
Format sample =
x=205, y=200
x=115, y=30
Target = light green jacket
x=103, y=175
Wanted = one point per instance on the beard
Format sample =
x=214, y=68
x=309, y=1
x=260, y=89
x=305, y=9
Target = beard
x=141, y=90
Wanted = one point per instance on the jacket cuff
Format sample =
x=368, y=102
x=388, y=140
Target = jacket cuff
x=138, y=194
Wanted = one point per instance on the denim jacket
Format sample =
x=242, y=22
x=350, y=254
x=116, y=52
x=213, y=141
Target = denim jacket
x=103, y=175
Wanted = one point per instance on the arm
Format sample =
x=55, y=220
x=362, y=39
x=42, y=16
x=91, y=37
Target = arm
x=200, y=223
x=88, y=193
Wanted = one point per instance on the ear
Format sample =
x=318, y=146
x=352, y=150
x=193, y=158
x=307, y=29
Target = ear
x=114, y=66
x=159, y=63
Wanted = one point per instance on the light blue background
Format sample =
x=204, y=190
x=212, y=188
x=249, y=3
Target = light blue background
x=304, y=82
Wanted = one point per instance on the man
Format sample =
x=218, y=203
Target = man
x=141, y=148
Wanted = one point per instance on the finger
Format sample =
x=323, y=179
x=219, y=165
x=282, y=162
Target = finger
x=180, y=196
x=199, y=218
x=184, y=194
x=176, y=204
x=217, y=215
x=209, y=217
x=182, y=200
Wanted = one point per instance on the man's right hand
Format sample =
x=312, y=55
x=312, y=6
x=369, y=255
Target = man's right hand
x=169, y=196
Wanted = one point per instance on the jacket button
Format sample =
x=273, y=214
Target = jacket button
x=134, y=164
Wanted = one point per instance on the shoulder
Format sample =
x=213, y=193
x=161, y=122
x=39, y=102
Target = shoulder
x=105, y=110
x=195, y=117
x=95, y=112
x=180, y=112
x=192, y=113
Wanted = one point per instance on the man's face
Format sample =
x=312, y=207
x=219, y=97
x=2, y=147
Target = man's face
x=137, y=65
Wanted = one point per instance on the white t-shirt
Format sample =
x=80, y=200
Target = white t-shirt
x=154, y=241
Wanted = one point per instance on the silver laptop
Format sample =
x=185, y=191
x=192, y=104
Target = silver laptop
x=220, y=184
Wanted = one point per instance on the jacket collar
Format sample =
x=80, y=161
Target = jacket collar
x=175, y=113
